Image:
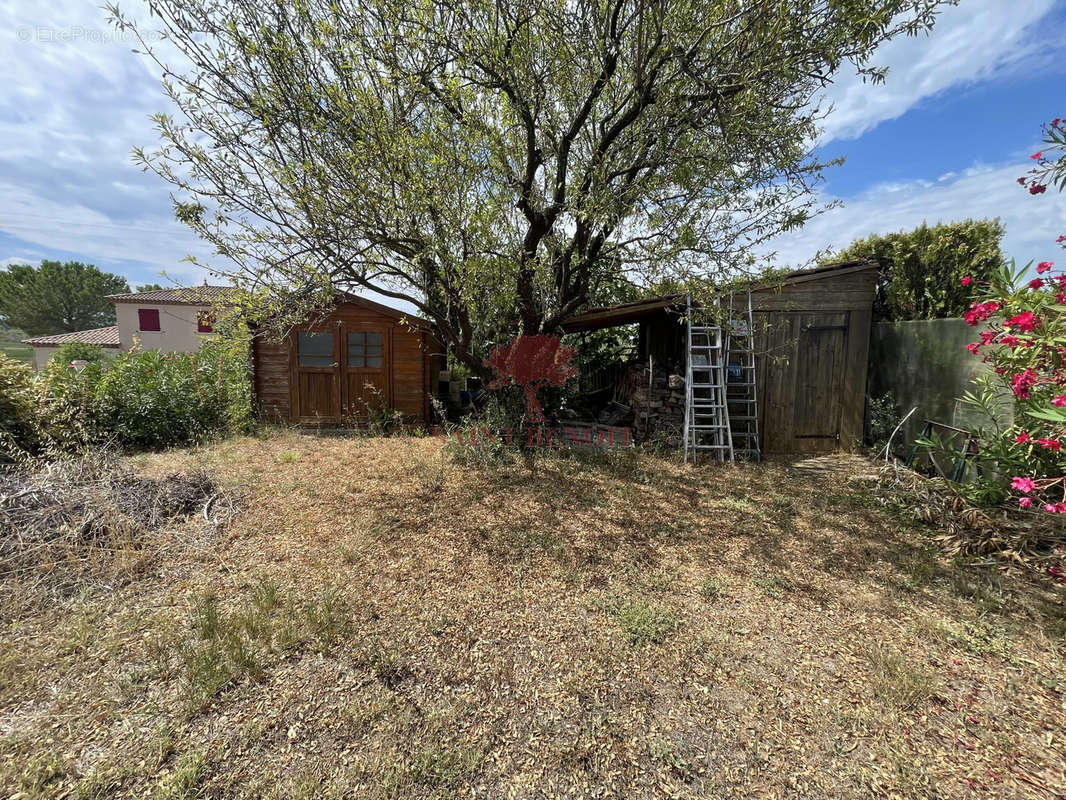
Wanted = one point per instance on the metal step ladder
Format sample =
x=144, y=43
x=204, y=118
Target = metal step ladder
x=706, y=407
x=741, y=401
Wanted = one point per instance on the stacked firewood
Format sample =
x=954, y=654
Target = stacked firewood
x=656, y=397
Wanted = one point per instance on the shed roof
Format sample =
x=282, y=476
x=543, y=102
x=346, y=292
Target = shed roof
x=355, y=299
x=181, y=296
x=105, y=337
x=627, y=313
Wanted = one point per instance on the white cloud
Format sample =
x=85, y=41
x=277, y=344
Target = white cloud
x=1032, y=222
x=7, y=262
x=74, y=102
x=976, y=40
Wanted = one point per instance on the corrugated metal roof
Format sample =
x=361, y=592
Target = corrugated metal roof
x=183, y=296
x=105, y=337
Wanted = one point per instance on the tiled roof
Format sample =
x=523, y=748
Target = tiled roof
x=105, y=337
x=190, y=296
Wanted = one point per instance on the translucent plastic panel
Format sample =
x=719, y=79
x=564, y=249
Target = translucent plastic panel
x=315, y=349
x=365, y=350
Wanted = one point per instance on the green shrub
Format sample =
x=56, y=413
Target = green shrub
x=136, y=400
x=33, y=420
x=151, y=399
x=18, y=433
x=78, y=351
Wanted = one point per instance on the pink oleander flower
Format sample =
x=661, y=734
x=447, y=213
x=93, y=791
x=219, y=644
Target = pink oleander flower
x=1023, y=438
x=967, y=280
x=1050, y=444
x=1036, y=283
x=979, y=312
x=1021, y=383
x=1025, y=502
x=1036, y=156
x=973, y=347
x=1037, y=188
x=1025, y=321
x=1044, y=266
x=1059, y=400
x=1023, y=485
x=1010, y=341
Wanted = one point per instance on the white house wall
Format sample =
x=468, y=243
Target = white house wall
x=42, y=354
x=177, y=325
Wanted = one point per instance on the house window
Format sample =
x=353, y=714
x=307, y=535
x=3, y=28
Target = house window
x=148, y=319
x=365, y=350
x=205, y=323
x=315, y=349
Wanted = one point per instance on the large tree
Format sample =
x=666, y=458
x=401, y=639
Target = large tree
x=58, y=297
x=493, y=161
x=923, y=270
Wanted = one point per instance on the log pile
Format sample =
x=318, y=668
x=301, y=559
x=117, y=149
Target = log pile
x=656, y=399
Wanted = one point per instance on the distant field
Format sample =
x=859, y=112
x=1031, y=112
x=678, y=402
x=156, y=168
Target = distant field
x=12, y=346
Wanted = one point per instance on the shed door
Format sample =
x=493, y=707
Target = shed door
x=317, y=377
x=367, y=367
x=819, y=382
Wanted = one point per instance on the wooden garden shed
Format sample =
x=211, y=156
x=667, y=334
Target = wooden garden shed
x=812, y=336
x=359, y=357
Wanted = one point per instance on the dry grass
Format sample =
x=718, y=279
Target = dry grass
x=378, y=622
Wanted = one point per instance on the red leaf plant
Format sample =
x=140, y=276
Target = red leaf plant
x=532, y=362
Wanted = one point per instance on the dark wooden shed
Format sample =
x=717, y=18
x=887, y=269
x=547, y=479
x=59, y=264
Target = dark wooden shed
x=360, y=356
x=812, y=341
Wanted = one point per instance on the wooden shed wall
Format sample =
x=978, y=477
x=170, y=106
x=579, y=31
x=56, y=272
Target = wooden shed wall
x=270, y=369
x=409, y=355
x=813, y=341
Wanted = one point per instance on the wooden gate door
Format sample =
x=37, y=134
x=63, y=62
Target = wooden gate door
x=367, y=370
x=316, y=380
x=819, y=382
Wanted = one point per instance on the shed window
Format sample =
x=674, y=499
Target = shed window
x=148, y=319
x=365, y=350
x=315, y=349
x=205, y=323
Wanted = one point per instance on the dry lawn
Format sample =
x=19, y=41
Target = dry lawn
x=382, y=622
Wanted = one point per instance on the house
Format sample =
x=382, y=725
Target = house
x=44, y=347
x=359, y=357
x=812, y=334
x=170, y=320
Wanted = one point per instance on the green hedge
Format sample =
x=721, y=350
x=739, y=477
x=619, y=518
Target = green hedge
x=137, y=400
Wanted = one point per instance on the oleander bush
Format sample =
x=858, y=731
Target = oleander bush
x=136, y=400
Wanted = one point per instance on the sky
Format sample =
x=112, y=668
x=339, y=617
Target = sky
x=943, y=139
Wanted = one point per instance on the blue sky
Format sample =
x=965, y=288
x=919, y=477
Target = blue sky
x=943, y=139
